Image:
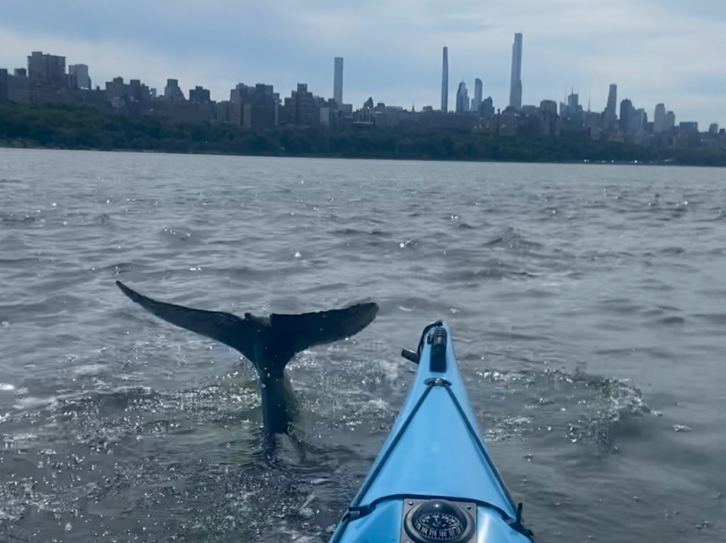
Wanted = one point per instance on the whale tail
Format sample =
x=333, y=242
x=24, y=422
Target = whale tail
x=307, y=330
x=270, y=343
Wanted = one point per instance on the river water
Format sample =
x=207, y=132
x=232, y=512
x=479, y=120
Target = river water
x=588, y=305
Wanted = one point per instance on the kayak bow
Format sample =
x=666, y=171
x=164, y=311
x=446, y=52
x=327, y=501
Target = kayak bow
x=433, y=479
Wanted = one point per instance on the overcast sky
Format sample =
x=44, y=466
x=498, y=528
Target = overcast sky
x=670, y=51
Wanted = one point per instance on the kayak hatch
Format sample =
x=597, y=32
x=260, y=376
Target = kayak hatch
x=433, y=480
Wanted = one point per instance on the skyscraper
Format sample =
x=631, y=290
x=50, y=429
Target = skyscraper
x=626, y=115
x=462, y=99
x=445, y=82
x=640, y=120
x=670, y=120
x=515, y=91
x=338, y=82
x=659, y=120
x=610, y=111
x=571, y=108
x=478, y=89
x=486, y=110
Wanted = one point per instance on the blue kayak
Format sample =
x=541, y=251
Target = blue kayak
x=433, y=480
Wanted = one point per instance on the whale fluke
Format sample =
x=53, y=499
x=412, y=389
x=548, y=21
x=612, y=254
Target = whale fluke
x=268, y=342
x=223, y=327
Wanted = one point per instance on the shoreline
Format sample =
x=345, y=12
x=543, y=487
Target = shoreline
x=32, y=147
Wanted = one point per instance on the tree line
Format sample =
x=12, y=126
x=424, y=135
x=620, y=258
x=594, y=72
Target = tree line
x=66, y=126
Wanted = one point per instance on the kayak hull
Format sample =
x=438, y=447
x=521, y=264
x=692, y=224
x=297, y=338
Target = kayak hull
x=433, y=479
x=385, y=527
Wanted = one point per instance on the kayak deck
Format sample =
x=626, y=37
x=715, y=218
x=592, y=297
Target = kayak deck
x=433, y=479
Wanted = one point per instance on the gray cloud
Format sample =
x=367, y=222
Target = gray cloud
x=655, y=50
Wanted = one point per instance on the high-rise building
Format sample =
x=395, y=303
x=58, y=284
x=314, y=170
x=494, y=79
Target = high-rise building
x=172, y=90
x=79, y=76
x=626, y=115
x=301, y=107
x=138, y=91
x=515, y=90
x=573, y=101
x=659, y=119
x=571, y=109
x=17, y=86
x=5, y=84
x=610, y=114
x=462, y=99
x=713, y=128
x=670, y=120
x=258, y=106
x=47, y=69
x=486, y=110
x=261, y=107
x=116, y=89
x=547, y=117
x=338, y=81
x=445, y=82
x=476, y=101
x=199, y=95
x=548, y=106
x=639, y=121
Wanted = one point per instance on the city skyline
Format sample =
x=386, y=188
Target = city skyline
x=154, y=44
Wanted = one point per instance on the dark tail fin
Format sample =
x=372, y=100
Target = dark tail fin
x=288, y=334
x=309, y=329
x=224, y=327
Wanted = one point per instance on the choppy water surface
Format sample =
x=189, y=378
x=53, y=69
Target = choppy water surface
x=588, y=305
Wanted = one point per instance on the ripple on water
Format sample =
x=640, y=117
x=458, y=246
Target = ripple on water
x=534, y=265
